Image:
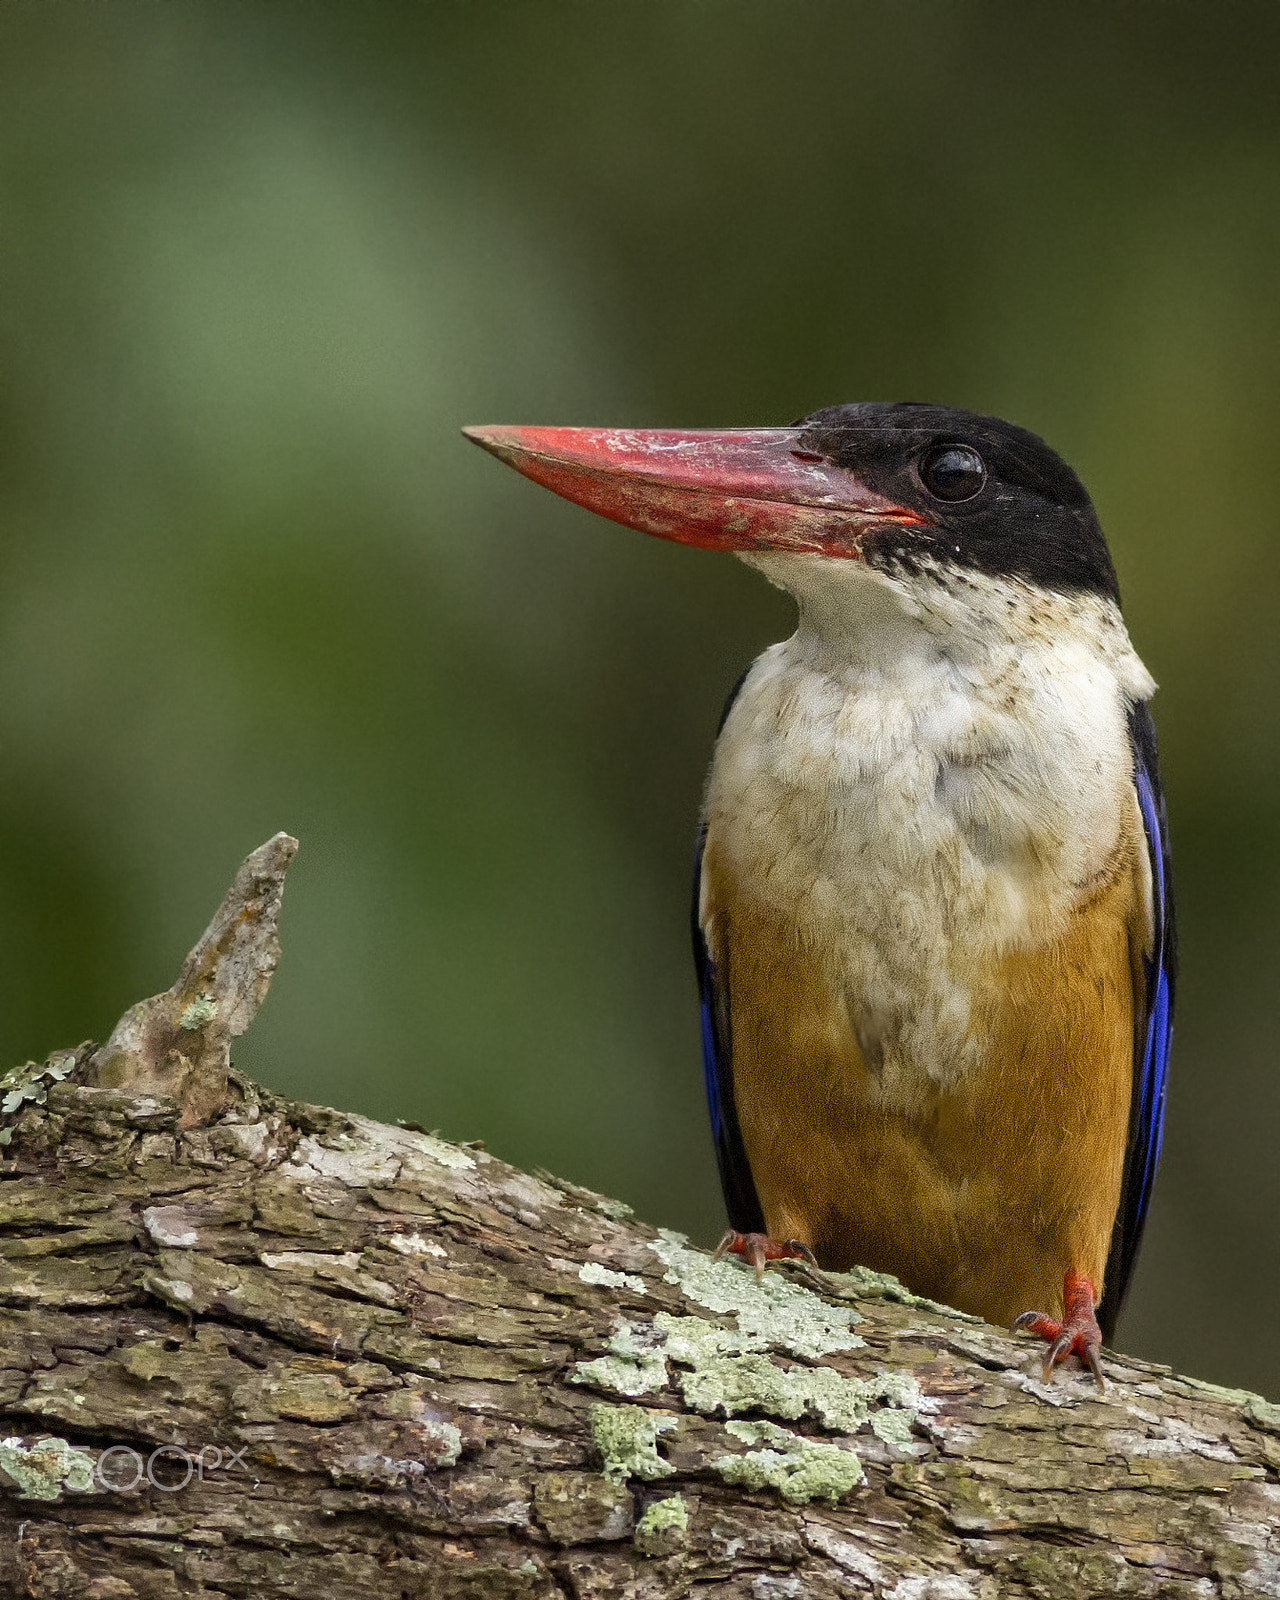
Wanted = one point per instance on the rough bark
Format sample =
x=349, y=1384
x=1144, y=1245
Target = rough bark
x=265, y=1349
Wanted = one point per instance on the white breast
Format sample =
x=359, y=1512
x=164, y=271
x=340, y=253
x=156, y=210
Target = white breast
x=923, y=778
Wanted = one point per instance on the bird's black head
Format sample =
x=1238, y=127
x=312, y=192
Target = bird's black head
x=992, y=497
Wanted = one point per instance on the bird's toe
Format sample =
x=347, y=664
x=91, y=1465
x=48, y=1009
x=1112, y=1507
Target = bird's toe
x=1077, y=1333
x=758, y=1249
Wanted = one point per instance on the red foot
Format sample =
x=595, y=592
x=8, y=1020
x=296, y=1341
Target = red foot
x=758, y=1249
x=1078, y=1332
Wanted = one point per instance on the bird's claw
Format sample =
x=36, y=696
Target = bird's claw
x=757, y=1249
x=1077, y=1333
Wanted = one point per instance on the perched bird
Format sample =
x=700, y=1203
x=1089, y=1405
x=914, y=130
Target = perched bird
x=933, y=920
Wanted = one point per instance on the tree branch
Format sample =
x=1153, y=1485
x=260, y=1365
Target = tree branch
x=264, y=1349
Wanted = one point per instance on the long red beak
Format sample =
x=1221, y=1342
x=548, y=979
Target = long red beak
x=739, y=489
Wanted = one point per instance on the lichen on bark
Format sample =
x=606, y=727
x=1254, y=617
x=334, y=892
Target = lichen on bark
x=253, y=1348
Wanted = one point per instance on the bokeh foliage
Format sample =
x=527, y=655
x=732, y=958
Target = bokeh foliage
x=258, y=263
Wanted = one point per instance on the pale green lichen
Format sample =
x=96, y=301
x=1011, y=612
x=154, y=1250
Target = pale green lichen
x=443, y=1153
x=727, y=1386
x=729, y=1375
x=799, y=1469
x=663, y=1527
x=606, y=1277
x=627, y=1439
x=893, y=1427
x=446, y=1438
x=728, y=1371
x=730, y=1385
x=774, y=1311
x=694, y=1340
x=43, y=1470
x=671, y=1513
x=632, y=1378
x=30, y=1083
x=204, y=1008
x=633, y=1367
x=615, y=1210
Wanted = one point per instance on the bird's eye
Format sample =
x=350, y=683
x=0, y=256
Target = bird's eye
x=952, y=472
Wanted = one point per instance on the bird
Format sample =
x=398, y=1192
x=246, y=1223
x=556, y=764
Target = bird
x=933, y=915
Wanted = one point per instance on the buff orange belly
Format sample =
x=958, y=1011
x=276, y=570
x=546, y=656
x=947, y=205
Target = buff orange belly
x=980, y=1191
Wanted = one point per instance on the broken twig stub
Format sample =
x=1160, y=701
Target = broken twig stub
x=179, y=1043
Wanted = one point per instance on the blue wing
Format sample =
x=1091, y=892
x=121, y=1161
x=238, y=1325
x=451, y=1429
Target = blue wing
x=1154, y=1028
x=740, y=1198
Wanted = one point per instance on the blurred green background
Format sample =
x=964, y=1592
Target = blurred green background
x=257, y=266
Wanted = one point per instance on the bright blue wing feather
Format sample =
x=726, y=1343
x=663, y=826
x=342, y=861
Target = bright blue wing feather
x=1154, y=1032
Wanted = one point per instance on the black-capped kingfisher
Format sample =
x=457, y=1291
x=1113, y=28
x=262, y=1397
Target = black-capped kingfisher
x=933, y=921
